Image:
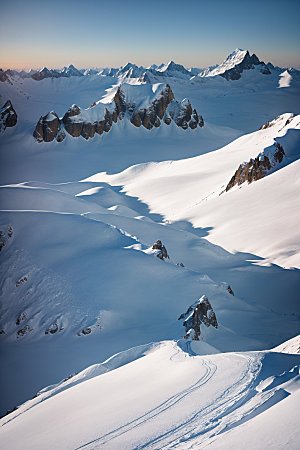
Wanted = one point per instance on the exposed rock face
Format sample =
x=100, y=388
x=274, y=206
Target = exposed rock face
x=84, y=331
x=273, y=122
x=99, y=117
x=227, y=287
x=161, y=250
x=198, y=313
x=230, y=290
x=248, y=63
x=257, y=168
x=48, y=128
x=8, y=116
x=6, y=233
x=73, y=124
x=20, y=318
x=4, y=76
x=166, y=108
x=21, y=280
x=53, y=328
x=25, y=330
x=151, y=117
x=120, y=102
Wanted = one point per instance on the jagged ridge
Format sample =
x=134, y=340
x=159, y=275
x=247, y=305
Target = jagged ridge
x=200, y=312
x=257, y=168
x=155, y=105
x=8, y=116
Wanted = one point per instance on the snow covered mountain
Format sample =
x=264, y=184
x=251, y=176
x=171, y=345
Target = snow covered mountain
x=235, y=64
x=231, y=69
x=111, y=234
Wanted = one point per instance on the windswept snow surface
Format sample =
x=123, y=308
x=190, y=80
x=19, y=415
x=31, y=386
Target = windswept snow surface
x=166, y=398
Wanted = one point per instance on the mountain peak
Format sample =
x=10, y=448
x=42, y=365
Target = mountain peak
x=129, y=65
x=233, y=66
x=236, y=57
x=173, y=67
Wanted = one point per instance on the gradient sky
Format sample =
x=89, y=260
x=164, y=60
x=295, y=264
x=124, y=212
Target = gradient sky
x=90, y=33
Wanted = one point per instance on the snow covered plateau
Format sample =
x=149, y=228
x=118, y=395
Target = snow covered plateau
x=150, y=257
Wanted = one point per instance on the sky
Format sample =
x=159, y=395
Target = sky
x=195, y=33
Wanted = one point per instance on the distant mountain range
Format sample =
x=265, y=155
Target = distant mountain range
x=230, y=69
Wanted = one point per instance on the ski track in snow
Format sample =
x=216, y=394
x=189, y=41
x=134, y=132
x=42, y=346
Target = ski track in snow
x=210, y=369
x=205, y=420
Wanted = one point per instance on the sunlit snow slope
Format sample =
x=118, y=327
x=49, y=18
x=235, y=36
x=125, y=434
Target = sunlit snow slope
x=194, y=190
x=166, y=398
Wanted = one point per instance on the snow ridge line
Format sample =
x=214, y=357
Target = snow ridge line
x=210, y=369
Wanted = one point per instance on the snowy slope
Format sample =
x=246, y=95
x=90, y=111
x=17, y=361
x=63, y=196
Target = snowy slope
x=193, y=190
x=165, y=398
x=290, y=346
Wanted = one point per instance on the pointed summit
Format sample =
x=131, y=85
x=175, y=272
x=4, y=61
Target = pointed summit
x=71, y=71
x=234, y=65
x=45, y=73
x=172, y=68
x=130, y=70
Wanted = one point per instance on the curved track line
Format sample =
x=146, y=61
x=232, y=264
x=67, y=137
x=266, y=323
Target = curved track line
x=210, y=369
x=208, y=418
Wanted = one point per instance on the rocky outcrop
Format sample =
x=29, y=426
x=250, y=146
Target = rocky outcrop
x=184, y=116
x=72, y=121
x=21, y=281
x=6, y=233
x=167, y=109
x=100, y=116
x=4, y=76
x=151, y=117
x=257, y=168
x=8, y=116
x=230, y=290
x=201, y=312
x=84, y=331
x=275, y=121
x=48, y=128
x=54, y=328
x=23, y=331
x=161, y=251
x=20, y=318
x=227, y=287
